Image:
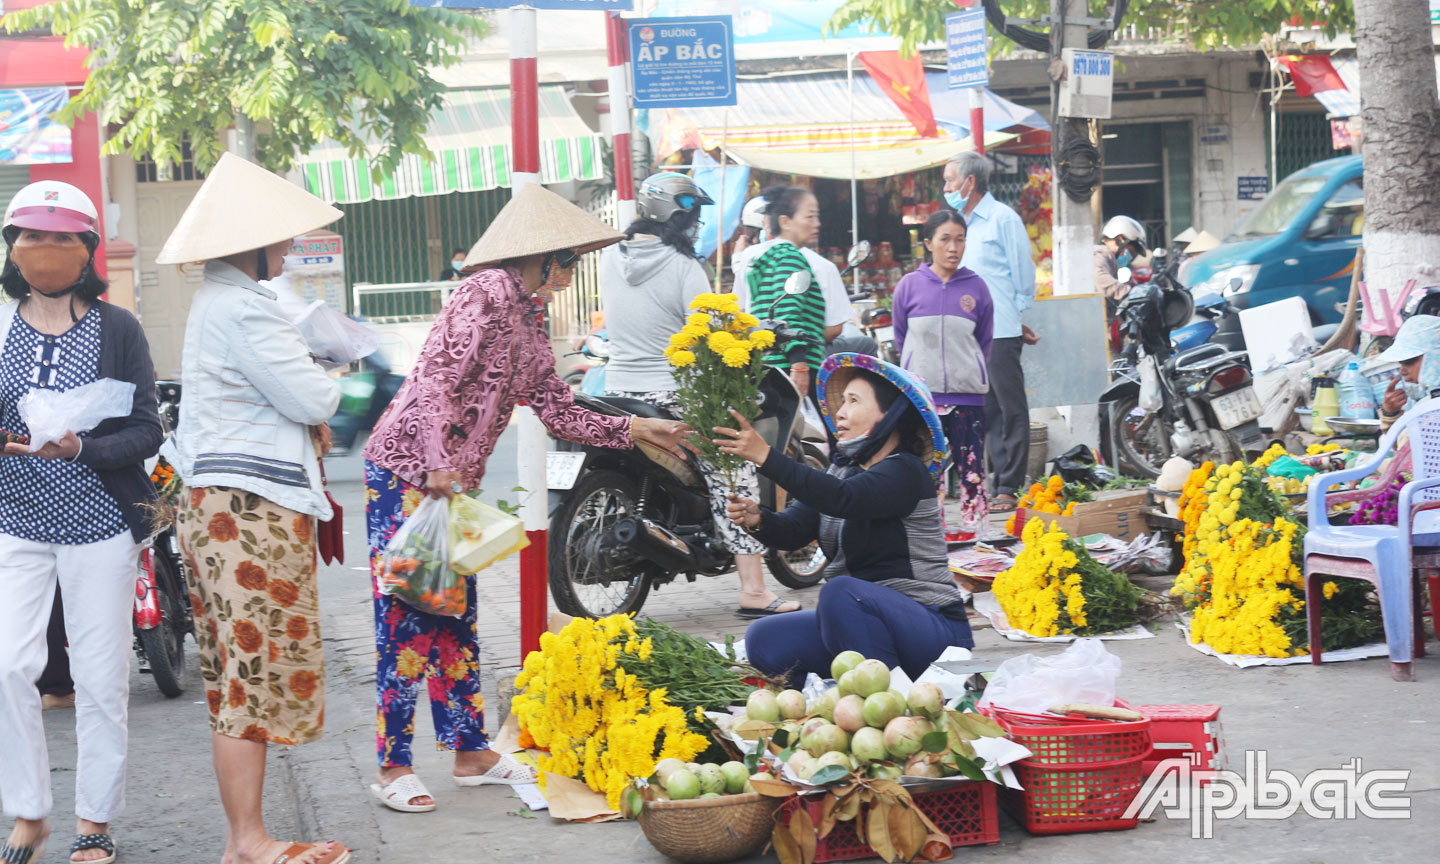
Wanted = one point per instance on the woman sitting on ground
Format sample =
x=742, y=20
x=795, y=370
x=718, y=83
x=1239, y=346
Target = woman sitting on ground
x=889, y=593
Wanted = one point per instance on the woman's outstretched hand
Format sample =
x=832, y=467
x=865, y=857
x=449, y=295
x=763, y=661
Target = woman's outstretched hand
x=665, y=434
x=744, y=512
x=66, y=448
x=442, y=484
x=744, y=442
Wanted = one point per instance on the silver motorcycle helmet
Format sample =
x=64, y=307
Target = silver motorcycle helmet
x=667, y=193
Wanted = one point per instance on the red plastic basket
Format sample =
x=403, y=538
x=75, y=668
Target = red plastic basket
x=1083, y=773
x=1191, y=731
x=965, y=810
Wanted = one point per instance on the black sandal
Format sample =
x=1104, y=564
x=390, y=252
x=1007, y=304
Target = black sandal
x=772, y=609
x=94, y=841
x=23, y=854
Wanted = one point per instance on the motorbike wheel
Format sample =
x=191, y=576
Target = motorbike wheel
x=578, y=580
x=803, y=568
x=574, y=378
x=164, y=646
x=1141, y=447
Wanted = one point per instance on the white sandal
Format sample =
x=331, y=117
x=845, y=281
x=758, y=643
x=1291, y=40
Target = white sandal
x=399, y=794
x=505, y=772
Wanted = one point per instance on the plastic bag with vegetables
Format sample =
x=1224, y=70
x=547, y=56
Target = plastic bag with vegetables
x=416, y=564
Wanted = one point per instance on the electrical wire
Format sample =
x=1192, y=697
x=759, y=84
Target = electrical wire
x=1077, y=161
x=1037, y=40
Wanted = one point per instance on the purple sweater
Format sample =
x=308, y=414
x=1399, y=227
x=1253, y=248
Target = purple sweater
x=943, y=333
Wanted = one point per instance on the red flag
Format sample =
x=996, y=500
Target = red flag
x=1312, y=73
x=904, y=82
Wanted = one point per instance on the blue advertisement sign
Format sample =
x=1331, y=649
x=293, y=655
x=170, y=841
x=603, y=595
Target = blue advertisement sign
x=965, y=49
x=607, y=5
x=682, y=62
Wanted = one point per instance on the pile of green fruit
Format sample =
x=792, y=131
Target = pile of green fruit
x=685, y=780
x=862, y=726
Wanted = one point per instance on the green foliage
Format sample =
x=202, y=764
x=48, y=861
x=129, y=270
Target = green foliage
x=1210, y=23
x=164, y=71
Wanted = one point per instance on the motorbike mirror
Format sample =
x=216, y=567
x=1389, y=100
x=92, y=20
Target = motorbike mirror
x=859, y=253
x=1159, y=252
x=798, y=283
x=1236, y=284
x=1124, y=274
x=1322, y=225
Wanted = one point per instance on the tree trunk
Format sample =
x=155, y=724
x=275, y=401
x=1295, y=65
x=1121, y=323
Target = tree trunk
x=1400, y=124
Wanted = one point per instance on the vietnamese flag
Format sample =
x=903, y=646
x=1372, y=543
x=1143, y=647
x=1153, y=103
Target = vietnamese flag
x=1312, y=73
x=904, y=82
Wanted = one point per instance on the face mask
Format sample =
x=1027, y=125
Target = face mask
x=1124, y=259
x=457, y=264
x=955, y=200
x=854, y=445
x=50, y=268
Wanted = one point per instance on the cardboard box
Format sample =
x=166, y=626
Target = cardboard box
x=1119, y=513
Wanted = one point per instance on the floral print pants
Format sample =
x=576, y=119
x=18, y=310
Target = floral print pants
x=965, y=431
x=257, y=614
x=413, y=646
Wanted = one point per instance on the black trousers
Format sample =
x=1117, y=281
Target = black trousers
x=55, y=680
x=1007, y=417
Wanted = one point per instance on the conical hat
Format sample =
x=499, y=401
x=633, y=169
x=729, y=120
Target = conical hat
x=241, y=207
x=1203, y=242
x=537, y=221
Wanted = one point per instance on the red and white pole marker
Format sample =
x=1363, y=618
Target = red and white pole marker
x=524, y=99
x=617, y=49
x=532, y=440
x=977, y=120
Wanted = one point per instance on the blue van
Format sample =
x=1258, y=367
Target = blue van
x=1300, y=242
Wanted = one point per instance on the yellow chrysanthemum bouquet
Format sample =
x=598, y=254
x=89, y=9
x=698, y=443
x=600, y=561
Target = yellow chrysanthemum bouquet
x=1056, y=589
x=1243, y=583
x=718, y=362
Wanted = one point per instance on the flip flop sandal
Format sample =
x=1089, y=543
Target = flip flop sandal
x=506, y=772
x=398, y=795
x=23, y=854
x=772, y=609
x=102, y=842
x=338, y=854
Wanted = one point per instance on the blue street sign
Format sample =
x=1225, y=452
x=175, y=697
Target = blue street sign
x=683, y=62
x=965, y=49
x=606, y=5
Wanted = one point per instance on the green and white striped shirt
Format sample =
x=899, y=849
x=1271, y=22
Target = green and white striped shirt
x=804, y=312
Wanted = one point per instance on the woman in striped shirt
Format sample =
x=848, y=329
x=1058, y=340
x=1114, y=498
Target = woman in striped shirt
x=793, y=215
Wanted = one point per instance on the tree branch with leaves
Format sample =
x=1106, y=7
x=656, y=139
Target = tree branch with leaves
x=164, y=72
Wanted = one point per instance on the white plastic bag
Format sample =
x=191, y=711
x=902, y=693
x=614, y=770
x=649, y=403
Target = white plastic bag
x=1084, y=672
x=332, y=338
x=49, y=414
x=416, y=564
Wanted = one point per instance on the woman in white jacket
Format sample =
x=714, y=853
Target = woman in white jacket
x=247, y=449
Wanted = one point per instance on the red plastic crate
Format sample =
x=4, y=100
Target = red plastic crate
x=964, y=810
x=1082, y=776
x=1191, y=731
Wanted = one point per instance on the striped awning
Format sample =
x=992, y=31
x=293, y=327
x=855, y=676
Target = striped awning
x=470, y=137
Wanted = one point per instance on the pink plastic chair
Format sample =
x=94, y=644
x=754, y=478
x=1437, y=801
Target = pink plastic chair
x=1380, y=554
x=1378, y=316
x=1399, y=465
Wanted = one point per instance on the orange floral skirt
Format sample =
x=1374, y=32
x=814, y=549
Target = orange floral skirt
x=257, y=614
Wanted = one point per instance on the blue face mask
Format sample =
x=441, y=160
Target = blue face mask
x=1124, y=258
x=955, y=200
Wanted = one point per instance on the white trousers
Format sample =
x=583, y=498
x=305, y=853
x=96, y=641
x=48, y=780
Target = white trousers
x=97, y=581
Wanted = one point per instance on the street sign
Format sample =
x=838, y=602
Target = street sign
x=1435, y=11
x=1252, y=188
x=965, y=49
x=606, y=5
x=1085, y=91
x=683, y=62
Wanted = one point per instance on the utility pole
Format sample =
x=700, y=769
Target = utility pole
x=1074, y=224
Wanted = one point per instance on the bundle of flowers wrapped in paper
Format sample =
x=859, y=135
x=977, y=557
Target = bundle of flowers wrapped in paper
x=1056, y=589
x=718, y=361
x=1054, y=496
x=599, y=722
x=1243, y=584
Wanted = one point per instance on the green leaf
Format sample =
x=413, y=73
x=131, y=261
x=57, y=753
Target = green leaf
x=970, y=768
x=829, y=774
x=935, y=742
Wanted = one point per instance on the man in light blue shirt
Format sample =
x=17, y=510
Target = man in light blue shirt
x=997, y=247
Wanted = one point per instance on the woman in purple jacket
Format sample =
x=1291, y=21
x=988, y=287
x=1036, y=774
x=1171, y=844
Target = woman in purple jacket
x=943, y=324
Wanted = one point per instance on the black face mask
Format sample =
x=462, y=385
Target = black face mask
x=863, y=450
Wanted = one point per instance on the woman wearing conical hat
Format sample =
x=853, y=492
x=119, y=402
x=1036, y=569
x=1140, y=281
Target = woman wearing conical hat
x=247, y=449
x=487, y=352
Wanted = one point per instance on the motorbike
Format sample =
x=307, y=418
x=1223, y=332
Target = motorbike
x=162, y=612
x=629, y=521
x=1198, y=402
x=594, y=350
x=364, y=396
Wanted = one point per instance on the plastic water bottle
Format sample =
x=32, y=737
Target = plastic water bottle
x=1357, y=399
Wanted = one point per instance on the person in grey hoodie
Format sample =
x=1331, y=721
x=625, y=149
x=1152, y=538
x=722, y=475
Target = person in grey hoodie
x=646, y=284
x=944, y=321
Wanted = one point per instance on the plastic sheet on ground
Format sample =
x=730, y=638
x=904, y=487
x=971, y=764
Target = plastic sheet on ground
x=989, y=606
x=1245, y=661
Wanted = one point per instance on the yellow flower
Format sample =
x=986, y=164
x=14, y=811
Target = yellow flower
x=720, y=341
x=681, y=359
x=681, y=340
x=695, y=332
x=1330, y=588
x=746, y=320
x=410, y=664
x=762, y=338
x=737, y=357
x=699, y=319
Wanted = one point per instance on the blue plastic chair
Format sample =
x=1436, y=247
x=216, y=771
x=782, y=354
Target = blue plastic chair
x=1380, y=554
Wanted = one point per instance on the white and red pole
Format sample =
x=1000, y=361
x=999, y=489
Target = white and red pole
x=977, y=120
x=532, y=441
x=617, y=49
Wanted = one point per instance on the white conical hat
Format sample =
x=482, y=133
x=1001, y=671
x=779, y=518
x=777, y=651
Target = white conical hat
x=534, y=222
x=242, y=207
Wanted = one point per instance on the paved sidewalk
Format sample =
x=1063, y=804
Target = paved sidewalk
x=1306, y=718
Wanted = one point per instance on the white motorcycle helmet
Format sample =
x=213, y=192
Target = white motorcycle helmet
x=1126, y=230
x=753, y=216
x=50, y=205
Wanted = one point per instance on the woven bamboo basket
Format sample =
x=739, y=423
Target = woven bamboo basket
x=710, y=830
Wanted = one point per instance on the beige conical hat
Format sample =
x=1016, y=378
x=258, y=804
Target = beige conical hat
x=1203, y=242
x=537, y=221
x=241, y=207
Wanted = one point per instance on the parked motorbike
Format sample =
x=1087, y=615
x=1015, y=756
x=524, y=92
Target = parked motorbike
x=1197, y=402
x=632, y=520
x=162, y=614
